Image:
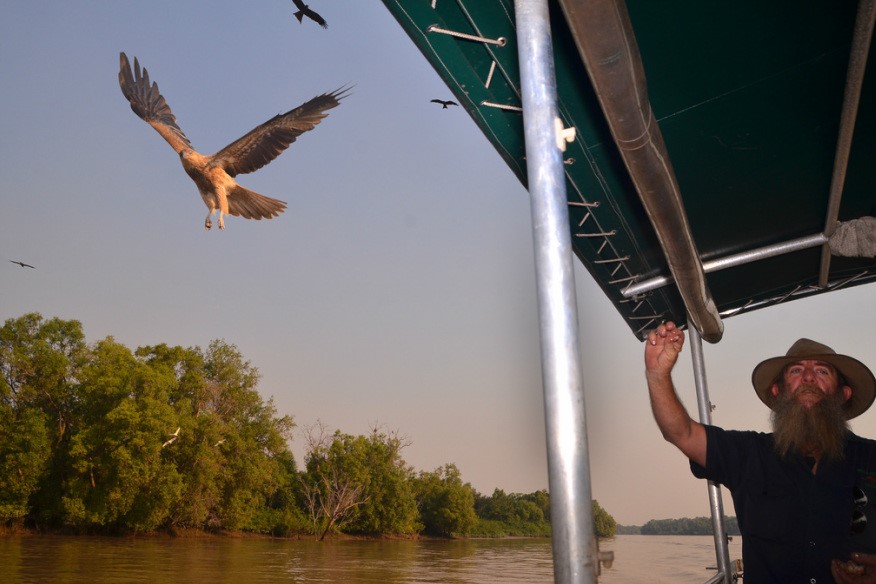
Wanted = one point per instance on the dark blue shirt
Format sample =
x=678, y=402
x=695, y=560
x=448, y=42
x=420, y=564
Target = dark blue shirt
x=793, y=522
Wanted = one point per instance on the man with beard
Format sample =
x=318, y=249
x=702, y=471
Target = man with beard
x=800, y=490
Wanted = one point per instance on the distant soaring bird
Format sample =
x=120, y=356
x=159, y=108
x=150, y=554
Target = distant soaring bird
x=214, y=174
x=304, y=10
x=444, y=103
x=22, y=264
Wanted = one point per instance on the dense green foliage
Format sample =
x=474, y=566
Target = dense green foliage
x=98, y=438
x=687, y=526
x=513, y=514
x=445, y=503
x=603, y=524
x=101, y=439
x=360, y=484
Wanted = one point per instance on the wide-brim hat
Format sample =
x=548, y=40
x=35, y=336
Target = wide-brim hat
x=857, y=375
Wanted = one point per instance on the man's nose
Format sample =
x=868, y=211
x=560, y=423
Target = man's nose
x=808, y=374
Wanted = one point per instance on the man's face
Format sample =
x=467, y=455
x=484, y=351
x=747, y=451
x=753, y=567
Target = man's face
x=808, y=414
x=808, y=381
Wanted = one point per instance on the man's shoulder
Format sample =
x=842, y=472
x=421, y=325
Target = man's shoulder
x=743, y=440
x=732, y=454
x=752, y=435
x=860, y=441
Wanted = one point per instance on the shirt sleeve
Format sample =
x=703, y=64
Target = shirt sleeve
x=727, y=453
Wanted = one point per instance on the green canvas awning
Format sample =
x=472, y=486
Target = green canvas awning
x=749, y=98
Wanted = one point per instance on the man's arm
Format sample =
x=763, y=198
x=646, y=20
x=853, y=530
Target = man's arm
x=661, y=352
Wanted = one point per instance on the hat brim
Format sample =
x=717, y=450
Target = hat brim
x=857, y=375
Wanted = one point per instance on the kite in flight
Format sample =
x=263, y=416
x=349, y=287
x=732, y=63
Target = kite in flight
x=444, y=103
x=214, y=174
x=304, y=10
x=22, y=264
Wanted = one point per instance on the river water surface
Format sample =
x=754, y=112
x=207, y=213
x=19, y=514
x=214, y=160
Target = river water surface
x=220, y=560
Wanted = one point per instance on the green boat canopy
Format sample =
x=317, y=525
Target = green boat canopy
x=751, y=127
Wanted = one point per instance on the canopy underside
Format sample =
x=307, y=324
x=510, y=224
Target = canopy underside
x=749, y=98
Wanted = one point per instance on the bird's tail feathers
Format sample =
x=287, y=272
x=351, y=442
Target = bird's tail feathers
x=248, y=204
x=299, y=15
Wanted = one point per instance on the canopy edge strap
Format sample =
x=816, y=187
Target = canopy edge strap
x=604, y=36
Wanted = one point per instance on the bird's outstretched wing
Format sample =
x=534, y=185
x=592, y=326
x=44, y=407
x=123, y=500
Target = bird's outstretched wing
x=266, y=142
x=315, y=17
x=22, y=264
x=305, y=10
x=149, y=104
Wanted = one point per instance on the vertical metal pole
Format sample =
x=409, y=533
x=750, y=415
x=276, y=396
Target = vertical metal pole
x=574, y=541
x=716, y=504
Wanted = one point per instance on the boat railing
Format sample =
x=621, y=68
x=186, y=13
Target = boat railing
x=735, y=573
x=716, y=579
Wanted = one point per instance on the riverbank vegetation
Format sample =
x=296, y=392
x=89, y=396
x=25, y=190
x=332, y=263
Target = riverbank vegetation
x=97, y=438
x=682, y=526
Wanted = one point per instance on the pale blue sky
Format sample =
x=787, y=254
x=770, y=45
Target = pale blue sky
x=398, y=288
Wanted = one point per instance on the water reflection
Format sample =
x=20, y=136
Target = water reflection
x=659, y=559
x=217, y=560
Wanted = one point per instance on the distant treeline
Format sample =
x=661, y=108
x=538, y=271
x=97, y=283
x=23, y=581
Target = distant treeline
x=101, y=439
x=684, y=526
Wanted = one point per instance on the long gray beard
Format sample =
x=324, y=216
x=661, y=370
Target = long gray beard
x=797, y=429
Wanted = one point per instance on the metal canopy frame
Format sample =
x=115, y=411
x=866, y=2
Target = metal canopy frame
x=755, y=103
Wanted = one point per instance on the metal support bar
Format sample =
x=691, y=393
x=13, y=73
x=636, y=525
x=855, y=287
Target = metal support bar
x=861, y=39
x=574, y=542
x=730, y=261
x=716, y=579
x=716, y=504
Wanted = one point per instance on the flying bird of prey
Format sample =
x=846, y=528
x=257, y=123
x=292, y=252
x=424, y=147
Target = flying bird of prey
x=172, y=439
x=304, y=10
x=214, y=174
x=444, y=102
x=22, y=264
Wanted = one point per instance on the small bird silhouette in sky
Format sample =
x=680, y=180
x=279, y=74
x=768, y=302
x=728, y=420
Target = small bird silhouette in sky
x=22, y=264
x=214, y=174
x=304, y=10
x=444, y=102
